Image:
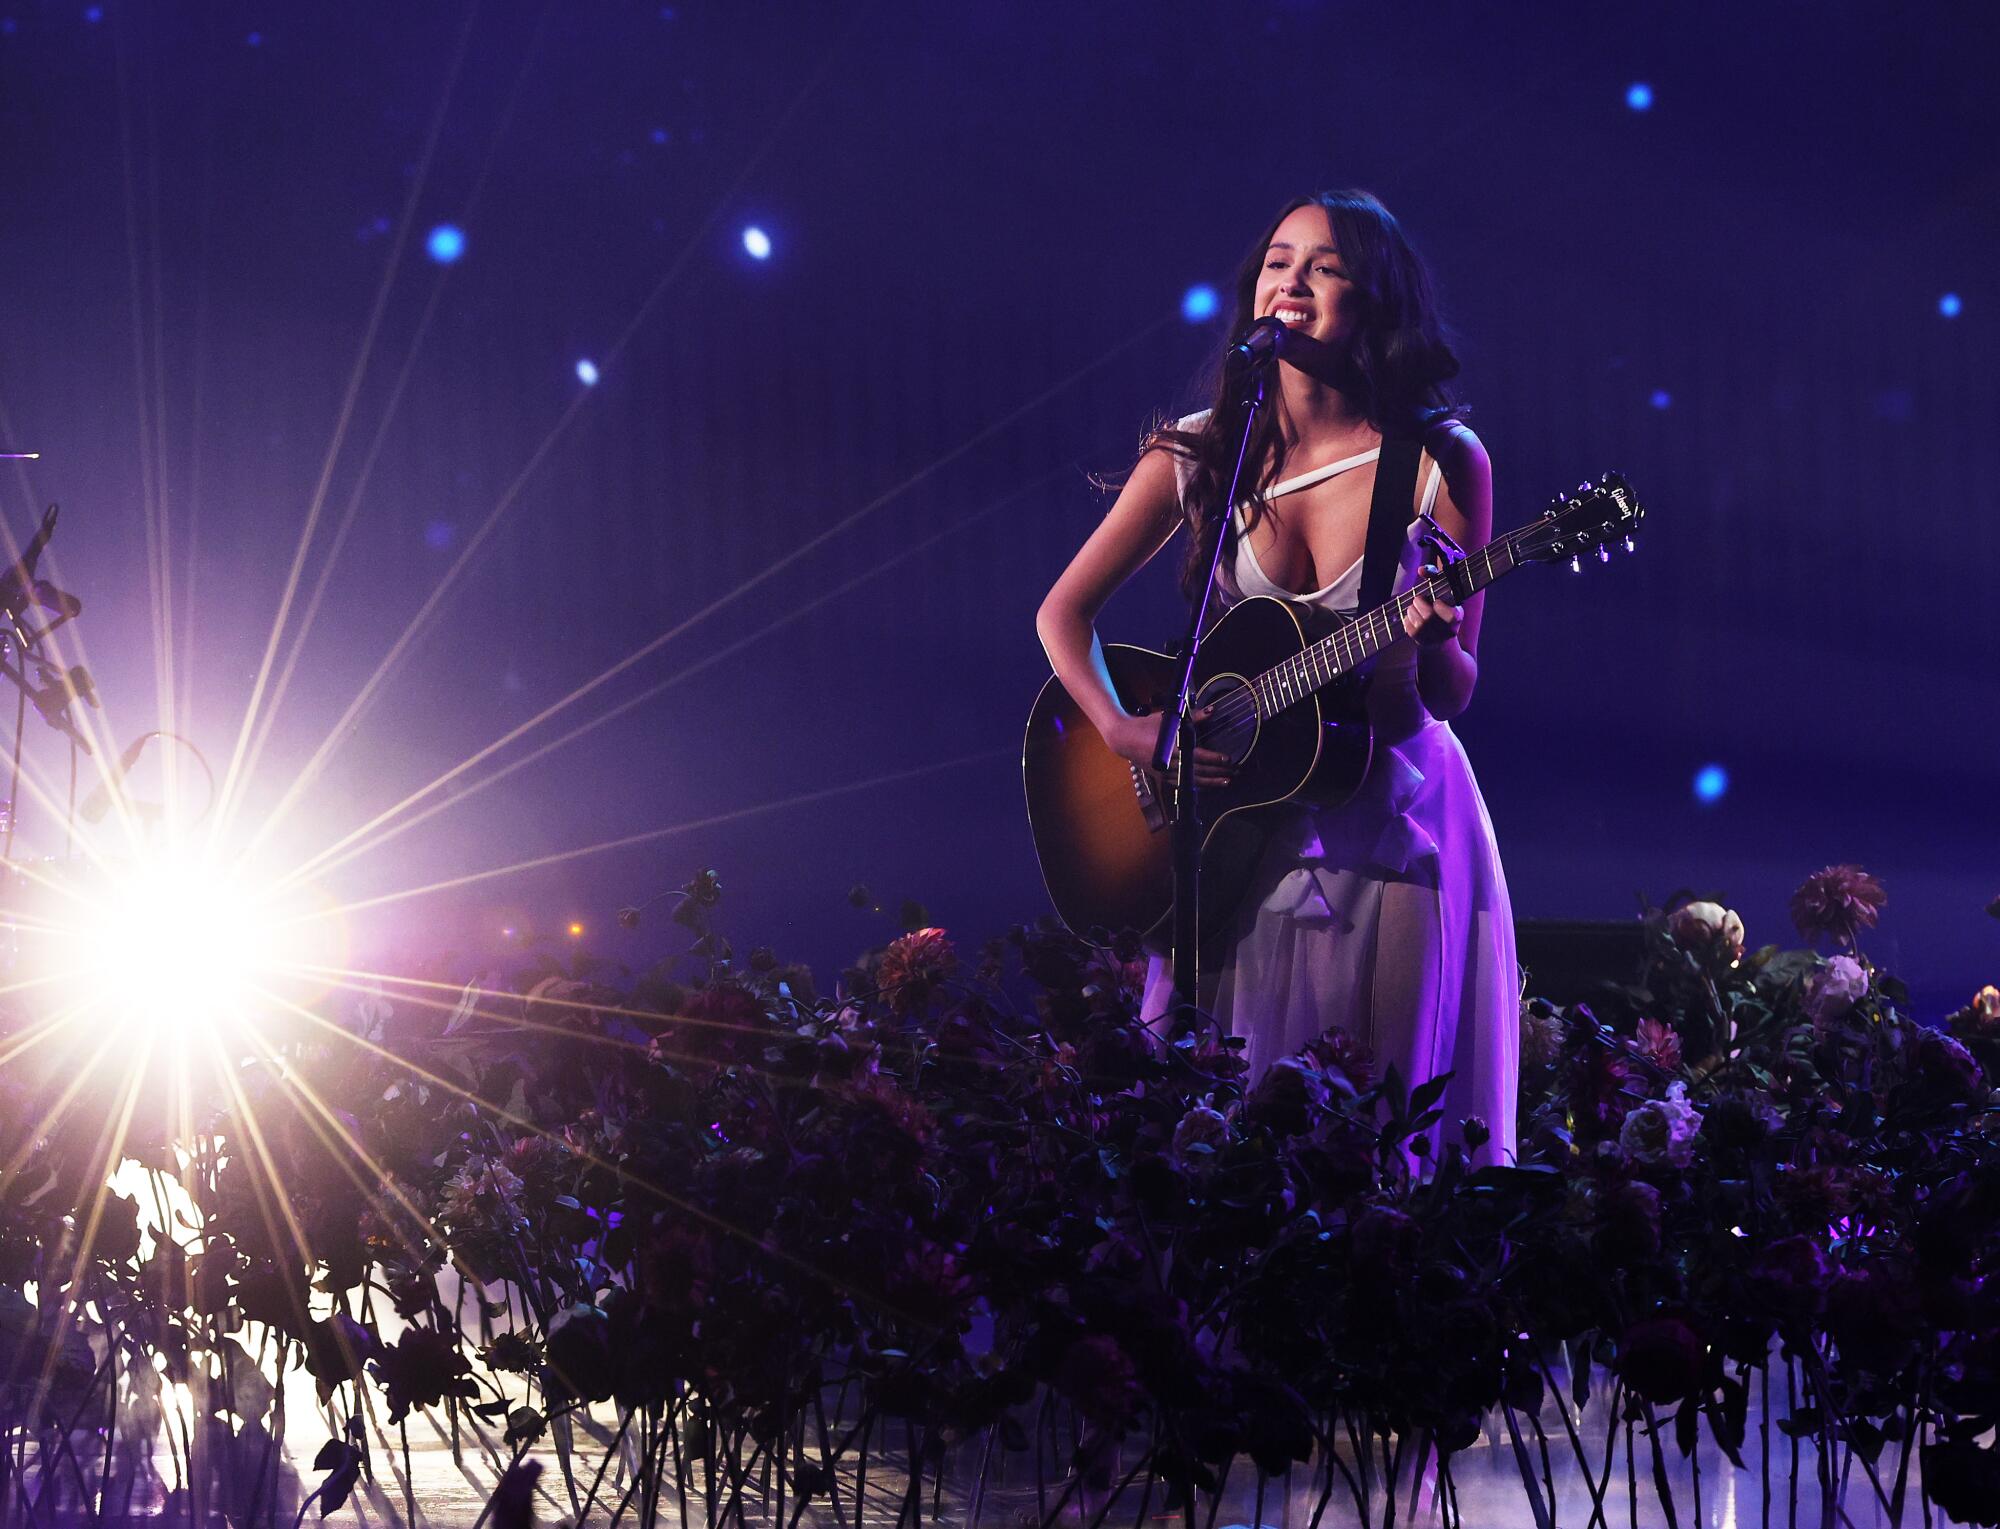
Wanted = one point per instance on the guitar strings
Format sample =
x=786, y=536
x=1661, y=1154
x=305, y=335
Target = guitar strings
x=1353, y=643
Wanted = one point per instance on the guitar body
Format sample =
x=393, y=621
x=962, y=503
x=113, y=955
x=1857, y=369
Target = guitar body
x=1101, y=825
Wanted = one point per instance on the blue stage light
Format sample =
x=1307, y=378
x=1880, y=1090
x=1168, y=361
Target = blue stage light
x=586, y=372
x=1639, y=96
x=1199, y=302
x=446, y=243
x=1949, y=305
x=1711, y=782
x=757, y=243
x=94, y=15
x=439, y=535
x=1661, y=399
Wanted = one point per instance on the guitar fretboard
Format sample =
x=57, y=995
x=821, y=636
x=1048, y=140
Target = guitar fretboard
x=1357, y=641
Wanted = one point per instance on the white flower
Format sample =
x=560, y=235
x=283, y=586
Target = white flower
x=1835, y=988
x=1201, y=1127
x=1707, y=926
x=1662, y=1130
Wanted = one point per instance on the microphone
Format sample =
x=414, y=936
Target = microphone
x=98, y=802
x=17, y=584
x=61, y=601
x=1263, y=344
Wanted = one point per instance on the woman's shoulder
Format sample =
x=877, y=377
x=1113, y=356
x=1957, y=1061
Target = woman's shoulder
x=1452, y=444
x=1176, y=436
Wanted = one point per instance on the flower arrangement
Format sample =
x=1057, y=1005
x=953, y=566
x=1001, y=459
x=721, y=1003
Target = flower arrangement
x=776, y=1252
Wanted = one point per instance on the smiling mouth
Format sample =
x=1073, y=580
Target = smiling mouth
x=1292, y=315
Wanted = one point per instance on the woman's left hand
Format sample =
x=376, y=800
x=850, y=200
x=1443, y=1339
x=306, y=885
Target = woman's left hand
x=1431, y=622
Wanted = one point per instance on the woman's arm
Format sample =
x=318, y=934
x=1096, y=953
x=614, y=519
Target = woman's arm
x=1447, y=635
x=1142, y=521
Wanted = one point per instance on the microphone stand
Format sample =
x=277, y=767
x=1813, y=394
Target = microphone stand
x=1175, y=764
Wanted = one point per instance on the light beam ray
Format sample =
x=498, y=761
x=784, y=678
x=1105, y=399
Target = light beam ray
x=226, y=792
x=320, y=864
x=365, y=697
x=770, y=571
x=364, y=474
x=652, y=835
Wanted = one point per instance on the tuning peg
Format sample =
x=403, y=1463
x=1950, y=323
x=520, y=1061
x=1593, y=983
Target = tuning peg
x=1603, y=553
x=1576, y=564
x=1631, y=545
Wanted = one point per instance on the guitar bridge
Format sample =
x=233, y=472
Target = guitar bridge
x=1150, y=806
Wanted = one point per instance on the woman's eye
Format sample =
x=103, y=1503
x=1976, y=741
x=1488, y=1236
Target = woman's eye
x=1326, y=270
x=1274, y=265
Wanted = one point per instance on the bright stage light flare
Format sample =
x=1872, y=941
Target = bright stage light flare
x=173, y=947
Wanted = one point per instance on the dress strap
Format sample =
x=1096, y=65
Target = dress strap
x=1431, y=489
x=1321, y=474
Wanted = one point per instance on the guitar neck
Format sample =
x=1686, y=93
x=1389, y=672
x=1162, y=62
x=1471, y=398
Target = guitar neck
x=1355, y=642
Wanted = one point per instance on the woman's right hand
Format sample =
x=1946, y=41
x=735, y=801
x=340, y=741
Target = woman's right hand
x=1135, y=738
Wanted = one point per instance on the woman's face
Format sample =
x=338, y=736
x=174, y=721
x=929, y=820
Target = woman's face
x=1303, y=282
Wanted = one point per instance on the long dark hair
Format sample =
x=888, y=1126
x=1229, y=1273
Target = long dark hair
x=1396, y=370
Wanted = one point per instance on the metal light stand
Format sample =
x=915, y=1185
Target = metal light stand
x=1176, y=764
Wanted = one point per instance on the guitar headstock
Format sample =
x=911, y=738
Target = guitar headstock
x=1593, y=516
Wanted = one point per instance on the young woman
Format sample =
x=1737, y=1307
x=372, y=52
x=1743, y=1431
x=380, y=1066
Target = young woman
x=1388, y=915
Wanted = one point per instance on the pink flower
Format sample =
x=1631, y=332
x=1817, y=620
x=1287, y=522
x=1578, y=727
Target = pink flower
x=912, y=966
x=1838, y=902
x=1835, y=988
x=1707, y=928
x=1659, y=1044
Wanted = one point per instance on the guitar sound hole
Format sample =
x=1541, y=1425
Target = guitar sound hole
x=1231, y=728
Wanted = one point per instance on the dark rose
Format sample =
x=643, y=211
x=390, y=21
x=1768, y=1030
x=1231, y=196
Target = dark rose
x=719, y=1024
x=1345, y=1061
x=1838, y=903
x=1952, y=1225
x=1790, y=1277
x=1605, y=1094
x=335, y=1349
x=1285, y=1099
x=512, y=1352
x=1100, y=1378
x=579, y=1351
x=1734, y=1123
x=1947, y=1066
x=1817, y=1196
x=1875, y=1314
x=1662, y=1358
x=1384, y=1243
x=1628, y=1223
x=421, y=1370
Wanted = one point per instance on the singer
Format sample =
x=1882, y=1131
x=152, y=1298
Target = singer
x=1388, y=915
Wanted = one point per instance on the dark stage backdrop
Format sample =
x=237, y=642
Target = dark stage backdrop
x=831, y=486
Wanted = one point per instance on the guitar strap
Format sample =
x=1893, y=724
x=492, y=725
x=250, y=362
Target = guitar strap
x=1389, y=515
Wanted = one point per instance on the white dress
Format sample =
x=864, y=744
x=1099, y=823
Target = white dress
x=1388, y=915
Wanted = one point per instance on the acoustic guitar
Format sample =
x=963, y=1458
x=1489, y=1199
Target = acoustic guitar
x=1287, y=707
